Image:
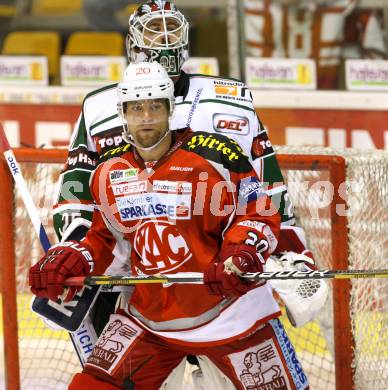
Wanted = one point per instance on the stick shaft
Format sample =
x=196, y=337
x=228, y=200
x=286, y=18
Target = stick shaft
x=21, y=184
x=197, y=278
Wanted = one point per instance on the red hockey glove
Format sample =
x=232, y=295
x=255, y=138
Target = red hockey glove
x=221, y=277
x=63, y=260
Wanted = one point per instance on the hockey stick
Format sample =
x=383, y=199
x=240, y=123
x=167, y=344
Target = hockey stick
x=21, y=184
x=50, y=307
x=197, y=278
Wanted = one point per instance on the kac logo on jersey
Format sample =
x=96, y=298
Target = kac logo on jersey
x=160, y=246
x=230, y=124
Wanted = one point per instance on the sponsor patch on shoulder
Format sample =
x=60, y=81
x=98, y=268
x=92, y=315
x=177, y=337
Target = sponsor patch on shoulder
x=250, y=189
x=230, y=124
x=123, y=175
x=227, y=83
x=81, y=158
x=261, y=146
x=232, y=90
x=224, y=146
x=226, y=90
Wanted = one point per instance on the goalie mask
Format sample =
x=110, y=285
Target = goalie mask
x=141, y=82
x=158, y=32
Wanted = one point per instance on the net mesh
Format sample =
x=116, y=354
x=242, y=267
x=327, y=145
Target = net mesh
x=47, y=360
x=365, y=191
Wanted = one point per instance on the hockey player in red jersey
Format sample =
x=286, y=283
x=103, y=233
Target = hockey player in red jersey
x=158, y=31
x=315, y=29
x=185, y=202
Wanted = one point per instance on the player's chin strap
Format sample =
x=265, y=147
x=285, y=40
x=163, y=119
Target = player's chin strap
x=303, y=298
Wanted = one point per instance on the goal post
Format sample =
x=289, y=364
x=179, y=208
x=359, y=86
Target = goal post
x=7, y=280
x=341, y=201
x=11, y=262
x=335, y=166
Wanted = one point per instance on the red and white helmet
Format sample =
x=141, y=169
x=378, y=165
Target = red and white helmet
x=143, y=81
x=168, y=46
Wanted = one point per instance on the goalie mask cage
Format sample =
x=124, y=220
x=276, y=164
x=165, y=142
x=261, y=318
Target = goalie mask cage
x=341, y=200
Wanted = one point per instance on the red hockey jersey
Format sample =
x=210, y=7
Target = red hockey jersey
x=201, y=196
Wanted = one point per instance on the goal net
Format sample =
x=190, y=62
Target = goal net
x=342, y=204
x=340, y=199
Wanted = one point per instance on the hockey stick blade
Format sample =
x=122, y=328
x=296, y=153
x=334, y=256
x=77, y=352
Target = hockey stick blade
x=197, y=278
x=317, y=274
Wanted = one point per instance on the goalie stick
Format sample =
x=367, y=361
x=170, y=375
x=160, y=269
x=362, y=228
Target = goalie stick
x=197, y=277
x=71, y=315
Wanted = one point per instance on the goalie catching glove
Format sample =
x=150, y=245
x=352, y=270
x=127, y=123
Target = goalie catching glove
x=222, y=276
x=303, y=298
x=61, y=261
